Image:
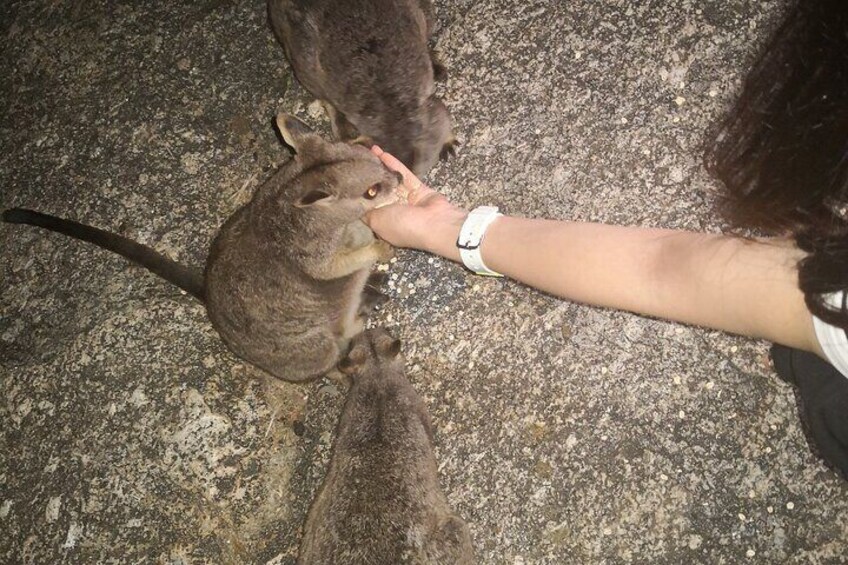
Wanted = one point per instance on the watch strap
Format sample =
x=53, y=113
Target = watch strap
x=471, y=237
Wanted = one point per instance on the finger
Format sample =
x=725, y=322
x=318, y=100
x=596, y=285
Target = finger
x=413, y=188
x=374, y=218
x=394, y=164
x=377, y=150
x=419, y=194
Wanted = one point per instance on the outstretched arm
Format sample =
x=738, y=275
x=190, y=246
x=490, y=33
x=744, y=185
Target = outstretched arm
x=747, y=287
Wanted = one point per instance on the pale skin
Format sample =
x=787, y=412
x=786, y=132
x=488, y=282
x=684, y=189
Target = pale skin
x=741, y=286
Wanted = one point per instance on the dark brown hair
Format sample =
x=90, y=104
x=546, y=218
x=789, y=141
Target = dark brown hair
x=782, y=153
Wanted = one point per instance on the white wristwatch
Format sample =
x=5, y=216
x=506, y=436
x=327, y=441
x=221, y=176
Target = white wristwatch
x=471, y=236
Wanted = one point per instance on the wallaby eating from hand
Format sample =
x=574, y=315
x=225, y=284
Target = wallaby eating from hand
x=284, y=279
x=369, y=62
x=381, y=502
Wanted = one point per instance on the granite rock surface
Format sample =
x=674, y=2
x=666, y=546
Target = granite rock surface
x=565, y=433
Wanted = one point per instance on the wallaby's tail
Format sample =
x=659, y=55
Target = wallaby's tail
x=190, y=280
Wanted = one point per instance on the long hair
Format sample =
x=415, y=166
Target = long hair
x=782, y=153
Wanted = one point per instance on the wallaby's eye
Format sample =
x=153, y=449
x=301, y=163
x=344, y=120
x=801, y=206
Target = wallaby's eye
x=372, y=191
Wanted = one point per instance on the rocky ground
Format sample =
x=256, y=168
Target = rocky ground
x=565, y=433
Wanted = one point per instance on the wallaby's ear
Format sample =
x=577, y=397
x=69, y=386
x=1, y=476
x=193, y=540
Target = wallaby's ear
x=314, y=196
x=388, y=347
x=384, y=344
x=352, y=362
x=347, y=366
x=294, y=132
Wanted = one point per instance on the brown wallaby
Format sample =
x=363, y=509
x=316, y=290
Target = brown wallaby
x=369, y=62
x=381, y=502
x=285, y=275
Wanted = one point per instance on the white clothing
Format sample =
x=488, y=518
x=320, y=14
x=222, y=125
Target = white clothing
x=833, y=340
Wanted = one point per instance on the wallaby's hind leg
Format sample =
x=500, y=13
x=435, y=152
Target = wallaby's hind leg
x=310, y=357
x=353, y=328
x=352, y=322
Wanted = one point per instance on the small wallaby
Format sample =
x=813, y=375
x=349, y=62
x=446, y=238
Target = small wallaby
x=381, y=502
x=369, y=62
x=285, y=275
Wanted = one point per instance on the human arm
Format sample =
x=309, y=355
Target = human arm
x=742, y=286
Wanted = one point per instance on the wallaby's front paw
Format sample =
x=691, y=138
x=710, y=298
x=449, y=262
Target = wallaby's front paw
x=341, y=381
x=371, y=298
x=384, y=251
x=377, y=279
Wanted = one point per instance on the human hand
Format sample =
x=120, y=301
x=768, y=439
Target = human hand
x=422, y=219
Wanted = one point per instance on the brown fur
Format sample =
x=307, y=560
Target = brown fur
x=284, y=279
x=369, y=61
x=381, y=502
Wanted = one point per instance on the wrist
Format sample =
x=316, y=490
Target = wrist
x=440, y=235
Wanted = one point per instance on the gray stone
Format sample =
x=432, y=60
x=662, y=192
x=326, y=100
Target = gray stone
x=565, y=434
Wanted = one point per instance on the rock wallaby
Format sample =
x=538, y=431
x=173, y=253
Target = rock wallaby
x=284, y=279
x=381, y=502
x=369, y=62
